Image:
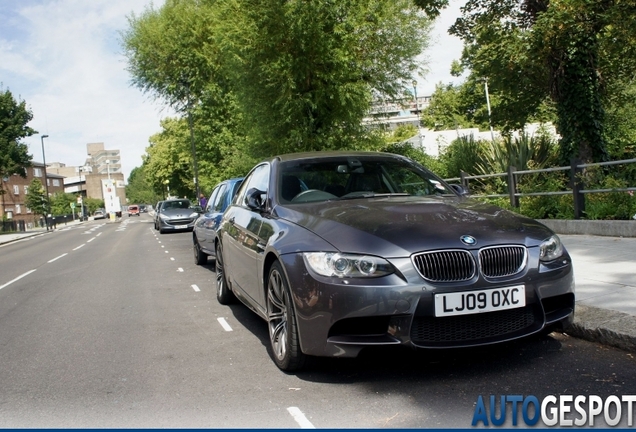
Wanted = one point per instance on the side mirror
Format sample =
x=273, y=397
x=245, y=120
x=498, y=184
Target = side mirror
x=255, y=199
x=460, y=189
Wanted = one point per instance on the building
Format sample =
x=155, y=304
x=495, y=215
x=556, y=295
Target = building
x=86, y=180
x=13, y=200
x=394, y=113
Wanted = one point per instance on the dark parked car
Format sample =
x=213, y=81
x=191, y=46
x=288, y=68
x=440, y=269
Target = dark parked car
x=206, y=226
x=175, y=215
x=340, y=251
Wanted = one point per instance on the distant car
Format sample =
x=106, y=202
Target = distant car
x=99, y=214
x=176, y=215
x=339, y=251
x=142, y=208
x=133, y=210
x=204, y=234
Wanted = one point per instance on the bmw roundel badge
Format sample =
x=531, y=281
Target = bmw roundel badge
x=468, y=240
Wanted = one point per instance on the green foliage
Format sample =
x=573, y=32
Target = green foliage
x=14, y=117
x=93, y=204
x=138, y=189
x=522, y=152
x=610, y=206
x=303, y=72
x=61, y=204
x=36, y=197
x=462, y=154
x=545, y=206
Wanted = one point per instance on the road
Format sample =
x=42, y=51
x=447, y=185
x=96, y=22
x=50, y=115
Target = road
x=112, y=325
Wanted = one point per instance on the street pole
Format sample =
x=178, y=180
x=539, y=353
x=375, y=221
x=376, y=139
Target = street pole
x=492, y=133
x=46, y=183
x=194, y=153
x=417, y=113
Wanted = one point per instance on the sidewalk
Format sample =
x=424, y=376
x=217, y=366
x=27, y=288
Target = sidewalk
x=605, y=275
x=15, y=236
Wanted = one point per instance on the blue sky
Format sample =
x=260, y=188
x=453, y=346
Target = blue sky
x=64, y=59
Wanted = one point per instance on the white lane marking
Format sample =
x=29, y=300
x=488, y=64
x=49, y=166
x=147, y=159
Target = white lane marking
x=162, y=246
x=224, y=324
x=88, y=241
x=300, y=418
x=171, y=258
x=98, y=234
x=80, y=246
x=18, y=278
x=196, y=288
x=180, y=270
x=167, y=252
x=57, y=258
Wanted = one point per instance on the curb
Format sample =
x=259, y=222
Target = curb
x=604, y=326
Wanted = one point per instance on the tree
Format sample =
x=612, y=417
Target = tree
x=14, y=117
x=563, y=50
x=304, y=72
x=139, y=190
x=36, y=198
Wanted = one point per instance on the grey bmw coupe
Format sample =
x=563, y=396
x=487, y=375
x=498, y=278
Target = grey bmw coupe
x=338, y=251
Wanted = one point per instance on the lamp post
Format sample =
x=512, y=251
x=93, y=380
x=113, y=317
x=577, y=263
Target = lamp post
x=417, y=112
x=492, y=133
x=46, y=183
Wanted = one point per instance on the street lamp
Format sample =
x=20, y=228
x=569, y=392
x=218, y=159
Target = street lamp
x=417, y=112
x=46, y=182
x=108, y=168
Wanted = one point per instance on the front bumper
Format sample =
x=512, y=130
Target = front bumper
x=339, y=317
x=176, y=224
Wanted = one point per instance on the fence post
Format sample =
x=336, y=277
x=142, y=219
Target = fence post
x=512, y=187
x=576, y=182
x=464, y=180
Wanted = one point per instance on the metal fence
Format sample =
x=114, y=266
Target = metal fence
x=577, y=187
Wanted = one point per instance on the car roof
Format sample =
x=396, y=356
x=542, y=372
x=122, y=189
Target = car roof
x=334, y=153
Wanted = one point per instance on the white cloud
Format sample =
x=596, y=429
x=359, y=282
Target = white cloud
x=63, y=58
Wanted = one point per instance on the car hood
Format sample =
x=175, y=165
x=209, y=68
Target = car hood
x=399, y=226
x=177, y=212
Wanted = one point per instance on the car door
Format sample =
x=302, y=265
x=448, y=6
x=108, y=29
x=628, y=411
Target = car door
x=242, y=248
x=205, y=226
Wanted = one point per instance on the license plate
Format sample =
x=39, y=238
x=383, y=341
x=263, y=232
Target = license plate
x=472, y=302
x=180, y=226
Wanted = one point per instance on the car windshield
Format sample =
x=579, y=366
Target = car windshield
x=323, y=179
x=181, y=204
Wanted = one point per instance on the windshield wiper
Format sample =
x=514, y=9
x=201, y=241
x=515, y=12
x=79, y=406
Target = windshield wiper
x=356, y=195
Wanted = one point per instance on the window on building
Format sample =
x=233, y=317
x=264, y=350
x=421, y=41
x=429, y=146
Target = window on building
x=26, y=189
x=48, y=181
x=56, y=182
x=16, y=190
x=9, y=213
x=28, y=210
x=18, y=209
x=37, y=172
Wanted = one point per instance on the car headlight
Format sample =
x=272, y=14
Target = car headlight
x=551, y=249
x=347, y=265
x=194, y=215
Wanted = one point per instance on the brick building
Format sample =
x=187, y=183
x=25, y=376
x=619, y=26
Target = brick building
x=13, y=200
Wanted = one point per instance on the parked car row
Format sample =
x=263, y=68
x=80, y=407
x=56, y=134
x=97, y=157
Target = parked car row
x=338, y=251
x=175, y=215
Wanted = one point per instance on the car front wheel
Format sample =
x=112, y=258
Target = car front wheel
x=200, y=257
x=283, y=331
x=223, y=293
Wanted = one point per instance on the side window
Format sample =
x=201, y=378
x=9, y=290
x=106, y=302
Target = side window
x=258, y=178
x=215, y=193
x=219, y=201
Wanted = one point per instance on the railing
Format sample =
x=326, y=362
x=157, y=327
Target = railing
x=577, y=186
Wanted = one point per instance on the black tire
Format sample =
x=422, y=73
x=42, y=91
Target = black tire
x=200, y=257
x=281, y=321
x=223, y=293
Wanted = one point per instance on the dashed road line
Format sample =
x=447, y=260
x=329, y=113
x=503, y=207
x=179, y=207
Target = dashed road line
x=196, y=288
x=300, y=418
x=224, y=324
x=80, y=246
x=18, y=278
x=180, y=270
x=57, y=258
x=88, y=241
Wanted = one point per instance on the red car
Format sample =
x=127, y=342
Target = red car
x=133, y=210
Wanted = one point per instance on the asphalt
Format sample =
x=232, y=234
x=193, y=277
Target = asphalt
x=605, y=275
